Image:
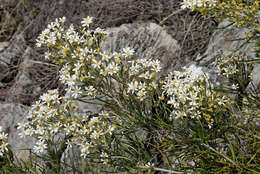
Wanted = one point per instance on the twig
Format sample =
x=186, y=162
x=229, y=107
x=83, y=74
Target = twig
x=174, y=13
x=165, y=170
x=43, y=63
x=224, y=156
x=258, y=137
x=161, y=170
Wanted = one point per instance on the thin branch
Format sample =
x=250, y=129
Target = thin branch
x=165, y=170
x=161, y=170
x=224, y=156
x=174, y=13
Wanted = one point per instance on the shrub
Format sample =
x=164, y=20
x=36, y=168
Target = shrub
x=183, y=123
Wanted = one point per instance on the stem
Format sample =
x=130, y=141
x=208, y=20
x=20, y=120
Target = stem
x=224, y=156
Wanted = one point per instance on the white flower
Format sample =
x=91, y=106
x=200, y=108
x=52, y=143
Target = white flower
x=39, y=42
x=86, y=21
x=134, y=69
x=68, y=128
x=3, y=147
x=112, y=68
x=110, y=129
x=3, y=136
x=85, y=149
x=62, y=20
x=133, y=86
x=235, y=86
x=96, y=63
x=197, y=3
x=29, y=132
x=95, y=135
x=55, y=128
x=69, y=143
x=76, y=91
x=173, y=102
x=90, y=91
x=104, y=157
x=141, y=95
x=39, y=147
x=127, y=52
x=71, y=80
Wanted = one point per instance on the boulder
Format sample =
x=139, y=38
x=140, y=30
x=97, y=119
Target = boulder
x=3, y=45
x=11, y=54
x=224, y=41
x=10, y=115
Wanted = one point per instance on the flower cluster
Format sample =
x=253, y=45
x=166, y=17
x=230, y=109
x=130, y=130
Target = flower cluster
x=238, y=11
x=3, y=141
x=87, y=72
x=143, y=74
x=192, y=95
x=54, y=116
x=192, y=4
x=87, y=65
x=229, y=66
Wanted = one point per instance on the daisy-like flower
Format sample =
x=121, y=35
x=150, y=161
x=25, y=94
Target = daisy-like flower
x=110, y=129
x=69, y=143
x=127, y=52
x=133, y=86
x=85, y=149
x=3, y=147
x=39, y=42
x=96, y=64
x=71, y=80
x=235, y=86
x=192, y=4
x=62, y=19
x=104, y=157
x=55, y=128
x=90, y=91
x=76, y=91
x=86, y=21
x=134, y=69
x=40, y=147
x=141, y=95
x=112, y=68
x=3, y=136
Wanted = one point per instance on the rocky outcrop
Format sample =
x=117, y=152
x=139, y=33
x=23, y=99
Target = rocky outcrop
x=225, y=40
x=11, y=114
x=10, y=56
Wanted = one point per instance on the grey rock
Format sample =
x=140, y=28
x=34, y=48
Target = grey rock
x=4, y=68
x=10, y=115
x=14, y=50
x=223, y=42
x=11, y=54
x=3, y=45
x=23, y=77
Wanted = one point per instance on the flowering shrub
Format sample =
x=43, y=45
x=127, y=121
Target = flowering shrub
x=182, y=122
x=243, y=13
x=125, y=86
x=191, y=95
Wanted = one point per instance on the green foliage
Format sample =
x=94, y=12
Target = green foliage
x=180, y=124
